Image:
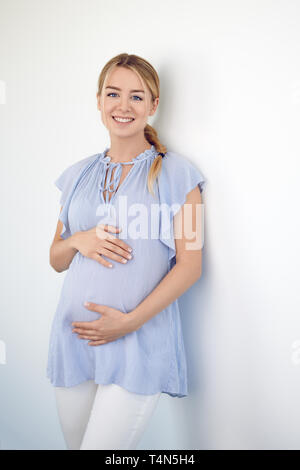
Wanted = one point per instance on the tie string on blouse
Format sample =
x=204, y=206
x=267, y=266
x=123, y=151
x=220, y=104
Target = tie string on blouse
x=112, y=183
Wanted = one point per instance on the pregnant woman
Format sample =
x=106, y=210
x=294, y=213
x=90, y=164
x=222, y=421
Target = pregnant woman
x=124, y=235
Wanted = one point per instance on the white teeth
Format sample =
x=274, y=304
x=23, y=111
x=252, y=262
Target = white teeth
x=122, y=120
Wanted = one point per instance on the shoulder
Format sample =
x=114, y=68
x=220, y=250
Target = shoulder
x=73, y=170
x=176, y=166
x=178, y=177
x=79, y=164
x=174, y=159
x=70, y=175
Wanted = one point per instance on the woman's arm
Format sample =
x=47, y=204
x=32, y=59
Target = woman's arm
x=90, y=243
x=188, y=267
x=61, y=251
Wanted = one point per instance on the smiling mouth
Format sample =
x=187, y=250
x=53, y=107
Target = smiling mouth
x=123, y=122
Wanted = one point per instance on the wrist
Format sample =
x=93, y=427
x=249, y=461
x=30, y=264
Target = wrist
x=73, y=240
x=133, y=320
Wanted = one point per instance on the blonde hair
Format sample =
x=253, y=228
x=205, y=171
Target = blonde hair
x=149, y=76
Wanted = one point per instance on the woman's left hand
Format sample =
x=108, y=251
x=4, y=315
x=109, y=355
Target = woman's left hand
x=112, y=325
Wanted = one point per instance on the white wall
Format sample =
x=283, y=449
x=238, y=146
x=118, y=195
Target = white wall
x=230, y=102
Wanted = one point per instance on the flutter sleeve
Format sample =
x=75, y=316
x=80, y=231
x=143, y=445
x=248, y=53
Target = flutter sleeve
x=67, y=183
x=177, y=178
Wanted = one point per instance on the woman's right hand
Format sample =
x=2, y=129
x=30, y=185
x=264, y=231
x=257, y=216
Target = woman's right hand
x=97, y=241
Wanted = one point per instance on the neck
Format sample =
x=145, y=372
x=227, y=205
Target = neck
x=122, y=151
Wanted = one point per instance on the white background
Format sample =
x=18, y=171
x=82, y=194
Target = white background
x=230, y=102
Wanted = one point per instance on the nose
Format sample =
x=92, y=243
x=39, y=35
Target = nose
x=124, y=103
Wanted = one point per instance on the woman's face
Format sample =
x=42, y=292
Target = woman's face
x=125, y=96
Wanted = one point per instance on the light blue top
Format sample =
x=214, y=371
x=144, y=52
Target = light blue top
x=151, y=359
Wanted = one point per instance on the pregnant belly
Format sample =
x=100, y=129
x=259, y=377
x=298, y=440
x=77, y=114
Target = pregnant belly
x=122, y=287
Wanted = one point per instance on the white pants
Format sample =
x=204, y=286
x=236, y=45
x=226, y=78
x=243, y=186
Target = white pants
x=95, y=417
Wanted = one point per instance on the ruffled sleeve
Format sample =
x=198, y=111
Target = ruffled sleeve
x=65, y=180
x=67, y=183
x=177, y=178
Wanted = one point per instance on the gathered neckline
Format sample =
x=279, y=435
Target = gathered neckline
x=148, y=153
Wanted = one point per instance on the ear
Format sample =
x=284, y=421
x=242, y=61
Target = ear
x=98, y=101
x=154, y=106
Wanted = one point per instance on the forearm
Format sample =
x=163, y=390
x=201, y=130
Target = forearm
x=62, y=253
x=178, y=280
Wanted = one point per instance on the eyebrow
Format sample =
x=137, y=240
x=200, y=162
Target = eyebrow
x=119, y=89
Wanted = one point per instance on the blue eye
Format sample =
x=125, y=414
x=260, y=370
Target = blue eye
x=135, y=96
